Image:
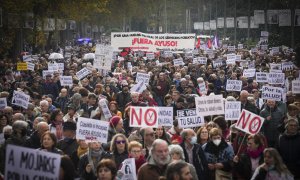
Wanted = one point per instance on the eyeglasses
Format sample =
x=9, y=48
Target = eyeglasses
x=121, y=142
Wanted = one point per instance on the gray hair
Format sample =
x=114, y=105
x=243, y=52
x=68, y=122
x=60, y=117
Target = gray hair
x=44, y=102
x=41, y=124
x=230, y=98
x=7, y=128
x=18, y=116
x=76, y=96
x=19, y=125
x=40, y=119
x=175, y=148
x=157, y=142
x=291, y=120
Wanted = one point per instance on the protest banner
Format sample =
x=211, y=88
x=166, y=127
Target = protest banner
x=20, y=99
x=128, y=170
x=276, y=78
x=82, y=73
x=27, y=58
x=142, y=77
x=150, y=56
x=165, y=116
x=92, y=130
x=259, y=16
x=21, y=66
x=296, y=86
x=209, y=105
x=3, y=103
x=232, y=110
x=66, y=80
x=269, y=92
x=249, y=122
x=26, y=163
x=30, y=66
x=178, y=62
x=105, y=109
x=152, y=42
x=188, y=118
x=143, y=116
x=202, y=88
x=249, y=72
x=139, y=87
x=261, y=77
x=234, y=85
x=230, y=59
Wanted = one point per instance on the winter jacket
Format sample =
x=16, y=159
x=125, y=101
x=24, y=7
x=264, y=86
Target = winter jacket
x=261, y=174
x=150, y=171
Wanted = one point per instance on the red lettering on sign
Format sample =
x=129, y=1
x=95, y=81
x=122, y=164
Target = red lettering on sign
x=150, y=117
x=136, y=116
x=255, y=124
x=242, y=119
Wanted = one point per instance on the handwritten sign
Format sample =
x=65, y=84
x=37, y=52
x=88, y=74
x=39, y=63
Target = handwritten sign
x=276, y=78
x=234, y=85
x=188, y=118
x=3, y=103
x=20, y=99
x=249, y=72
x=165, y=116
x=83, y=73
x=232, y=110
x=261, y=77
x=269, y=92
x=66, y=80
x=142, y=77
x=209, y=105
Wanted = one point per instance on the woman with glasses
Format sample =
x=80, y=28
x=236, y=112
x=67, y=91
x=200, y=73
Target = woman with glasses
x=135, y=150
x=202, y=136
x=119, y=148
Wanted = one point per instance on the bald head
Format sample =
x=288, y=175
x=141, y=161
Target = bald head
x=18, y=116
x=42, y=127
x=243, y=96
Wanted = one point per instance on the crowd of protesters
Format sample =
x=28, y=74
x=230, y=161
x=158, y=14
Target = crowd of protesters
x=216, y=150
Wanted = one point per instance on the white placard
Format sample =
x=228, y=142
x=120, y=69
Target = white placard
x=269, y=92
x=61, y=66
x=284, y=17
x=238, y=57
x=83, y=72
x=261, y=77
x=202, y=60
x=240, y=46
x=275, y=66
x=249, y=72
x=165, y=116
x=276, y=78
x=231, y=48
x=30, y=66
x=230, y=59
x=272, y=16
x=232, y=110
x=178, y=62
x=230, y=22
x=105, y=109
x=143, y=116
x=188, y=118
x=150, y=56
x=296, y=86
x=26, y=163
x=220, y=22
x=3, y=103
x=217, y=63
x=275, y=71
x=52, y=67
x=202, y=88
x=287, y=66
x=128, y=170
x=275, y=50
x=264, y=33
x=259, y=17
x=92, y=130
x=213, y=24
x=249, y=122
x=27, y=58
x=252, y=23
x=20, y=99
x=47, y=72
x=66, y=80
x=242, y=22
x=139, y=87
x=142, y=77
x=168, y=54
x=209, y=105
x=234, y=85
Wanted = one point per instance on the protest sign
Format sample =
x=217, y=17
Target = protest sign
x=234, y=85
x=269, y=92
x=209, y=105
x=231, y=48
x=20, y=99
x=143, y=116
x=165, y=116
x=238, y=57
x=284, y=17
x=178, y=62
x=272, y=16
x=230, y=23
x=52, y=67
x=249, y=72
x=287, y=66
x=66, y=80
x=139, y=87
x=168, y=54
x=217, y=63
x=47, y=72
x=105, y=109
x=27, y=58
x=195, y=61
x=202, y=88
x=82, y=73
x=275, y=71
x=26, y=163
x=259, y=16
x=276, y=78
x=261, y=77
x=232, y=110
x=142, y=77
x=230, y=59
x=188, y=118
x=240, y=46
x=275, y=66
x=22, y=66
x=264, y=47
x=220, y=22
x=296, y=86
x=275, y=50
x=150, y=56
x=202, y=60
x=3, y=103
x=30, y=66
x=61, y=66
x=128, y=170
x=92, y=130
x=249, y=122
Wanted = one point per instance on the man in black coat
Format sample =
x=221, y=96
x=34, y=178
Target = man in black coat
x=193, y=153
x=68, y=144
x=34, y=140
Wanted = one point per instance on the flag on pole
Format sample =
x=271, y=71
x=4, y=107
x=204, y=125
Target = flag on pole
x=216, y=42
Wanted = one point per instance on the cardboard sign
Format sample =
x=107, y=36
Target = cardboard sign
x=276, y=78
x=232, y=110
x=128, y=170
x=234, y=85
x=3, y=103
x=269, y=92
x=178, y=62
x=249, y=72
x=142, y=77
x=66, y=80
x=165, y=116
x=105, y=109
x=188, y=118
x=30, y=66
x=261, y=77
x=150, y=56
x=249, y=122
x=202, y=88
x=82, y=73
x=92, y=130
x=20, y=99
x=209, y=105
x=26, y=163
x=22, y=66
x=296, y=86
x=143, y=116
x=139, y=87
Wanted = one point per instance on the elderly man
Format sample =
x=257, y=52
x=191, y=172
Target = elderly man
x=148, y=136
x=245, y=104
x=193, y=153
x=34, y=140
x=135, y=100
x=157, y=162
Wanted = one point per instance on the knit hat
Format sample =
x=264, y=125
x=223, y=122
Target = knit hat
x=114, y=121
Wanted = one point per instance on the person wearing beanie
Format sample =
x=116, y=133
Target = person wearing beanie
x=68, y=144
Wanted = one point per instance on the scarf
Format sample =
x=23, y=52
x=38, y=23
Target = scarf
x=81, y=151
x=94, y=158
x=59, y=129
x=255, y=153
